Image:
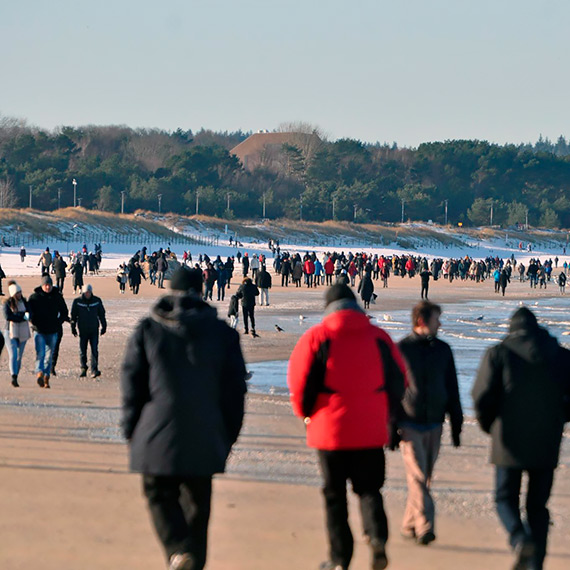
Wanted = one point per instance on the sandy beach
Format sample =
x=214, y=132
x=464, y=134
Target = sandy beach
x=68, y=500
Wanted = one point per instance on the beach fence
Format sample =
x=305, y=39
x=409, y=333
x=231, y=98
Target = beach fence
x=18, y=239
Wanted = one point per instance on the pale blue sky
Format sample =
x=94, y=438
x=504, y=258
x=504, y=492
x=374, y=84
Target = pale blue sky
x=398, y=70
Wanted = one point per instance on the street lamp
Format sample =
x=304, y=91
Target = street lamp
x=31, y=196
x=159, y=202
x=74, y=182
x=333, y=205
x=491, y=221
x=228, y=202
x=301, y=208
x=197, y=201
x=403, y=202
x=446, y=201
x=355, y=211
x=264, y=205
x=122, y=201
x=59, y=198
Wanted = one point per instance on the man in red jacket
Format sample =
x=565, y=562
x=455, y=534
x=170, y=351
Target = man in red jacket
x=347, y=379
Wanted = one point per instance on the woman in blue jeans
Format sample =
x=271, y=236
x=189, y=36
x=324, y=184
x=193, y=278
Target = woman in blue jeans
x=17, y=314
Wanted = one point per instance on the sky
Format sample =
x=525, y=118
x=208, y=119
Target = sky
x=409, y=71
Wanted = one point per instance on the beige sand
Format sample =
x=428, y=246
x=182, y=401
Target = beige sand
x=68, y=501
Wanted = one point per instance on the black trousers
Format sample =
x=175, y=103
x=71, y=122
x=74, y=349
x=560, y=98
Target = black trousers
x=248, y=312
x=91, y=339
x=507, y=497
x=365, y=468
x=55, y=354
x=424, y=291
x=180, y=511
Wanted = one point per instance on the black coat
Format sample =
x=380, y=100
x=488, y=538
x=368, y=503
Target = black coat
x=432, y=391
x=59, y=266
x=87, y=313
x=183, y=388
x=366, y=288
x=263, y=279
x=521, y=397
x=77, y=271
x=47, y=310
x=247, y=293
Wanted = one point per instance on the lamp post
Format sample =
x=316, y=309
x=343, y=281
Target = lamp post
x=59, y=198
x=333, y=204
x=301, y=208
x=74, y=182
x=228, y=202
x=491, y=220
x=355, y=211
x=446, y=201
x=197, y=201
x=159, y=203
x=403, y=202
x=122, y=201
x=264, y=205
x=31, y=196
x=526, y=219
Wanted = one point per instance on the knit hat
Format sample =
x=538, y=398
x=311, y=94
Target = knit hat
x=87, y=287
x=46, y=280
x=338, y=291
x=185, y=279
x=13, y=289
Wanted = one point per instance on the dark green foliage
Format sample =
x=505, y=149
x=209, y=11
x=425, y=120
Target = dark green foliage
x=346, y=178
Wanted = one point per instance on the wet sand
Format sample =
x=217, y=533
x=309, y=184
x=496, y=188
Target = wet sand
x=67, y=499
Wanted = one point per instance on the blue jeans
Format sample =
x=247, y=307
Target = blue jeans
x=16, y=351
x=45, y=343
x=507, y=496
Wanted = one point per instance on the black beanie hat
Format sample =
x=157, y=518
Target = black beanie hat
x=337, y=292
x=184, y=279
x=523, y=319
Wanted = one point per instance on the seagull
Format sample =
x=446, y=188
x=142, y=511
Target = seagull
x=301, y=318
x=278, y=328
x=387, y=317
x=479, y=318
x=74, y=226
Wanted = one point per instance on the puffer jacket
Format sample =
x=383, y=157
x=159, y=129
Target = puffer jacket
x=182, y=409
x=48, y=311
x=342, y=375
x=522, y=398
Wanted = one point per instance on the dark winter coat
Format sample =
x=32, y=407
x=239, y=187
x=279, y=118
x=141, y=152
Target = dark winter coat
x=47, y=310
x=433, y=390
x=247, y=293
x=59, y=266
x=285, y=267
x=183, y=388
x=135, y=275
x=263, y=279
x=77, y=271
x=366, y=288
x=521, y=397
x=86, y=314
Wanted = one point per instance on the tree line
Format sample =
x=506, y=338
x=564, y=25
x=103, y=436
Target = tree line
x=460, y=181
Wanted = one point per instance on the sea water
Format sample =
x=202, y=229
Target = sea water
x=469, y=328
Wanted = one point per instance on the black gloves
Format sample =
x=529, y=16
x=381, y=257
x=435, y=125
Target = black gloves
x=103, y=330
x=393, y=437
x=455, y=438
x=73, y=330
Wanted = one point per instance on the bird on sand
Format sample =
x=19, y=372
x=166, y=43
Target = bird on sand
x=278, y=328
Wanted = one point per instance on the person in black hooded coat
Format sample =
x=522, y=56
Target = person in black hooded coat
x=522, y=399
x=183, y=389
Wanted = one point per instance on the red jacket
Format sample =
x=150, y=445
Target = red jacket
x=337, y=381
x=329, y=266
x=309, y=267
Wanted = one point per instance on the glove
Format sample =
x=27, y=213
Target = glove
x=393, y=437
x=455, y=438
x=73, y=331
x=103, y=330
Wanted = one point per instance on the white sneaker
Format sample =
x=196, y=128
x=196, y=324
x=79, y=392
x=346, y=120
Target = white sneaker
x=181, y=561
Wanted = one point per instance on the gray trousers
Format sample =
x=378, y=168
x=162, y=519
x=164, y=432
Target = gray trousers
x=419, y=451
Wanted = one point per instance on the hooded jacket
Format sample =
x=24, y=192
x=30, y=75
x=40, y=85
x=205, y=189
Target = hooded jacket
x=521, y=395
x=183, y=388
x=342, y=375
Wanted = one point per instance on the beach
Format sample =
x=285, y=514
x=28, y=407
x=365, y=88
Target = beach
x=68, y=499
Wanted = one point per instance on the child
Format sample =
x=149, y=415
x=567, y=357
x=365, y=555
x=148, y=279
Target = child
x=233, y=311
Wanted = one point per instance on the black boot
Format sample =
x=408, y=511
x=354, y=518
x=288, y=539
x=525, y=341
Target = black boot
x=15, y=381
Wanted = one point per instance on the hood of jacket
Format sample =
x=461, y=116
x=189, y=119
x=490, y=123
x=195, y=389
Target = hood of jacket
x=186, y=311
x=345, y=314
x=534, y=345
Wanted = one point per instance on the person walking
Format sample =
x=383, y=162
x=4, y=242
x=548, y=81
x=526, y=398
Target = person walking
x=161, y=266
x=247, y=292
x=366, y=289
x=48, y=312
x=77, y=272
x=521, y=397
x=122, y=277
x=431, y=394
x=17, y=314
x=87, y=312
x=504, y=279
x=45, y=261
x=347, y=378
x=59, y=266
x=263, y=282
x=562, y=282
x=233, y=311
x=170, y=356
x=23, y=254
x=136, y=274
x=425, y=274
